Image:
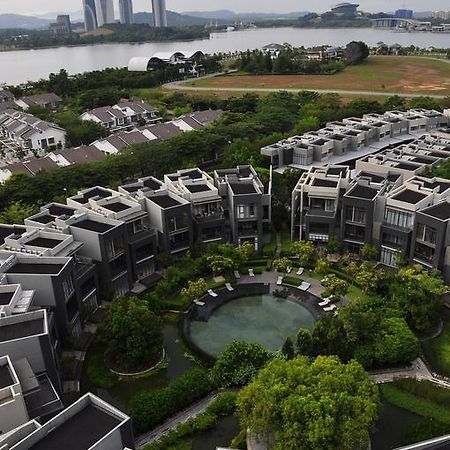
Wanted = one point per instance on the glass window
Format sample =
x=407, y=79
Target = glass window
x=399, y=218
x=68, y=287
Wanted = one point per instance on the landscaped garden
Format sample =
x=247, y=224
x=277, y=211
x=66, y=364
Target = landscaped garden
x=437, y=351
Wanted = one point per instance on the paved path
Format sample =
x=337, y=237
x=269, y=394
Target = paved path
x=172, y=423
x=182, y=86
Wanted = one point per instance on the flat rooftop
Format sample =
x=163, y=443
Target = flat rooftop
x=21, y=329
x=364, y=192
x=6, y=297
x=44, y=242
x=320, y=182
x=374, y=177
x=152, y=184
x=40, y=268
x=91, y=225
x=243, y=188
x=409, y=196
x=5, y=377
x=440, y=211
x=165, y=201
x=193, y=188
x=79, y=432
x=116, y=207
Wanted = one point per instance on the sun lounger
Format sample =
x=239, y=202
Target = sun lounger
x=289, y=270
x=330, y=308
x=326, y=301
x=251, y=273
x=212, y=293
x=300, y=271
x=229, y=287
x=237, y=275
x=304, y=286
x=199, y=303
x=279, y=281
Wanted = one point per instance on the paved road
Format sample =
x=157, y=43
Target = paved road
x=181, y=86
x=170, y=424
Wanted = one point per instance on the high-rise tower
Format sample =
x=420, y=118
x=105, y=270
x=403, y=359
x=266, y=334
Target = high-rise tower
x=105, y=11
x=90, y=15
x=159, y=13
x=126, y=11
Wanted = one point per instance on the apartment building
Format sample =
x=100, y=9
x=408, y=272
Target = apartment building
x=316, y=203
x=89, y=423
x=247, y=204
x=362, y=207
x=31, y=343
x=354, y=138
x=207, y=211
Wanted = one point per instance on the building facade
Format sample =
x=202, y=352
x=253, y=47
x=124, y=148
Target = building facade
x=126, y=11
x=159, y=13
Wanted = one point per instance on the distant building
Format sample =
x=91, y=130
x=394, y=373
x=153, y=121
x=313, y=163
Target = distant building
x=105, y=11
x=273, y=49
x=159, y=13
x=90, y=15
x=61, y=26
x=404, y=13
x=48, y=100
x=126, y=11
x=440, y=15
x=346, y=9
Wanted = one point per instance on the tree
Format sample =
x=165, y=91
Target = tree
x=356, y=52
x=306, y=252
x=304, y=342
x=369, y=252
x=323, y=266
x=310, y=405
x=336, y=288
x=219, y=263
x=246, y=250
x=333, y=244
x=238, y=364
x=282, y=264
x=288, y=349
x=194, y=289
x=16, y=212
x=132, y=334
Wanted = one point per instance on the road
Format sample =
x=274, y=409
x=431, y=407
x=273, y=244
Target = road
x=181, y=86
x=170, y=424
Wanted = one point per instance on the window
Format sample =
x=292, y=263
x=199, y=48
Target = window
x=178, y=222
x=356, y=215
x=392, y=239
x=389, y=256
x=398, y=218
x=424, y=252
x=51, y=141
x=68, y=288
x=426, y=234
x=246, y=211
x=114, y=247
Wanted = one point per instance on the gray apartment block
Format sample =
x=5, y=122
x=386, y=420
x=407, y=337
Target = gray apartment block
x=89, y=423
x=247, y=205
x=27, y=340
x=353, y=138
x=317, y=203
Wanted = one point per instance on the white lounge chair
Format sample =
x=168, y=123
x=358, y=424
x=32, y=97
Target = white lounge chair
x=289, y=270
x=279, y=281
x=330, y=308
x=229, y=287
x=304, y=286
x=237, y=275
x=212, y=293
x=300, y=271
x=199, y=303
x=251, y=273
x=326, y=301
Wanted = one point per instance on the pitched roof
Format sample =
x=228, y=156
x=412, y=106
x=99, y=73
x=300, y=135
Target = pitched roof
x=41, y=99
x=207, y=116
x=80, y=155
x=164, y=131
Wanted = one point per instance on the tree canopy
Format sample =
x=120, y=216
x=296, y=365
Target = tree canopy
x=323, y=404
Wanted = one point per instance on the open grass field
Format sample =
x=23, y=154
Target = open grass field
x=399, y=74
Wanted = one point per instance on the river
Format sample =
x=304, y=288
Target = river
x=23, y=65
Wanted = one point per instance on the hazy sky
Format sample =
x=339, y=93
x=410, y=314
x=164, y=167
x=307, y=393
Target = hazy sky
x=44, y=6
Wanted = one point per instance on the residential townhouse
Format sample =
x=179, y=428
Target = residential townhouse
x=247, y=204
x=89, y=423
x=30, y=342
x=207, y=211
x=22, y=131
x=316, y=203
x=122, y=116
x=48, y=100
x=353, y=138
x=6, y=96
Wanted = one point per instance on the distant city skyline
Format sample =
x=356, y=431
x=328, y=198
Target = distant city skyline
x=45, y=6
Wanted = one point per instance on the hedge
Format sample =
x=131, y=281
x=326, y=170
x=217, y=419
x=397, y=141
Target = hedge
x=293, y=281
x=150, y=408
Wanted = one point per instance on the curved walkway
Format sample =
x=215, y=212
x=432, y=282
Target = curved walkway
x=182, y=86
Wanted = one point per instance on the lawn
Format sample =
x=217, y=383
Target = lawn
x=400, y=74
x=437, y=351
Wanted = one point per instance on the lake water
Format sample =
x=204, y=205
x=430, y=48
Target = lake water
x=20, y=66
x=261, y=319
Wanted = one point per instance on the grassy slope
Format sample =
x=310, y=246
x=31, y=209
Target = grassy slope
x=437, y=352
x=404, y=74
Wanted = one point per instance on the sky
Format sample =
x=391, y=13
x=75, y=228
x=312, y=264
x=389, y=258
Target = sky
x=45, y=6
